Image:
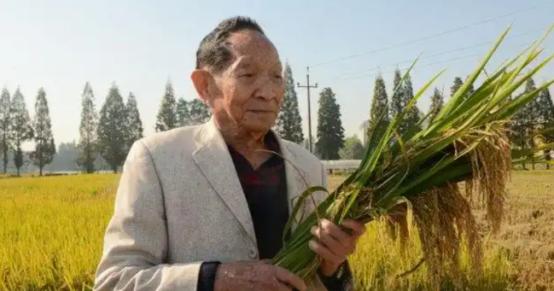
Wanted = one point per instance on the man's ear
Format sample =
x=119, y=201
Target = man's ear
x=201, y=80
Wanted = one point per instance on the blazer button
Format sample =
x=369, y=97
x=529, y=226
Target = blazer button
x=252, y=253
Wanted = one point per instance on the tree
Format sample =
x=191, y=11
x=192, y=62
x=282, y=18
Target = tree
x=457, y=84
x=112, y=129
x=88, y=131
x=183, y=112
x=20, y=127
x=199, y=112
x=410, y=123
x=352, y=149
x=532, y=120
x=134, y=124
x=289, y=122
x=397, y=102
x=4, y=127
x=545, y=120
x=523, y=126
x=378, y=116
x=330, y=133
x=45, y=149
x=167, y=118
x=518, y=132
x=437, y=102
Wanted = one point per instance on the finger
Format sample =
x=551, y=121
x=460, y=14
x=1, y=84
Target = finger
x=329, y=228
x=274, y=285
x=268, y=280
x=357, y=227
x=342, y=235
x=324, y=252
x=289, y=278
x=281, y=286
x=336, y=247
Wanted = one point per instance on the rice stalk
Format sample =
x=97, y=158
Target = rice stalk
x=467, y=141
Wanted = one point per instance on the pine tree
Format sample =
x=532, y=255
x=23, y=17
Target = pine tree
x=457, y=84
x=330, y=133
x=378, y=116
x=45, y=148
x=183, y=112
x=20, y=127
x=545, y=120
x=437, y=102
x=88, y=131
x=410, y=122
x=167, y=118
x=4, y=127
x=289, y=122
x=112, y=129
x=134, y=124
x=523, y=125
x=199, y=112
x=532, y=120
x=397, y=102
x=518, y=132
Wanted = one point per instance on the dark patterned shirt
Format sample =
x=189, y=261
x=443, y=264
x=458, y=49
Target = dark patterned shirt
x=265, y=189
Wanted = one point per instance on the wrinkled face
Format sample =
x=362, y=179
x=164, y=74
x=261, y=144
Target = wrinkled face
x=249, y=92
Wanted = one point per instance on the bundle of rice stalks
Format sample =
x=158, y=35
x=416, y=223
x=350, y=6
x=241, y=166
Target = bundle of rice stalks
x=466, y=141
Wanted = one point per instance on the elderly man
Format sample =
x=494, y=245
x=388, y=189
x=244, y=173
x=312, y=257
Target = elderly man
x=204, y=207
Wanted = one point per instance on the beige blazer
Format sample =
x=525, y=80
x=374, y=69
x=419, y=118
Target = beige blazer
x=179, y=202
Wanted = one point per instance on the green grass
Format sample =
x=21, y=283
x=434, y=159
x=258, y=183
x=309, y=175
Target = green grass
x=53, y=227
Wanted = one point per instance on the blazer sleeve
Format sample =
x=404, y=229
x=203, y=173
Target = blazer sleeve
x=135, y=242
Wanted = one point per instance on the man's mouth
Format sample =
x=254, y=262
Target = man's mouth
x=261, y=111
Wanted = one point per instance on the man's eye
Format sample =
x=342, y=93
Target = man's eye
x=279, y=77
x=247, y=75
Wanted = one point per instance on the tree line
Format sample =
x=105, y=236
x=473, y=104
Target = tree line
x=533, y=126
x=528, y=129
x=108, y=134
x=16, y=127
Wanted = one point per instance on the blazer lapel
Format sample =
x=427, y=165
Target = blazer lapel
x=214, y=160
x=296, y=181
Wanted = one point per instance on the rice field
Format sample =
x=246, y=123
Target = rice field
x=52, y=229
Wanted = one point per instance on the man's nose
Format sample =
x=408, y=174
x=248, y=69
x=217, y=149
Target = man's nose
x=268, y=88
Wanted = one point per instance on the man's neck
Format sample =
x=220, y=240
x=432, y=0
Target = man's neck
x=244, y=141
x=249, y=144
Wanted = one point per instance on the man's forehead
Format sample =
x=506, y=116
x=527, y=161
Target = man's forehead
x=248, y=37
x=250, y=48
x=246, y=61
x=248, y=42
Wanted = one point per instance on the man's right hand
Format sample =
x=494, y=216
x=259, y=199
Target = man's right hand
x=255, y=275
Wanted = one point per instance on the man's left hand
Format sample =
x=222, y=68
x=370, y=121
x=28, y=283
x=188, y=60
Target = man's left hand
x=333, y=244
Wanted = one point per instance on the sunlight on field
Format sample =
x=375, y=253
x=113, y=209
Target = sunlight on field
x=52, y=231
x=52, y=228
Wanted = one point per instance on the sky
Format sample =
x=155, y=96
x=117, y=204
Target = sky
x=140, y=45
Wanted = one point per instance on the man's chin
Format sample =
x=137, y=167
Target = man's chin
x=261, y=126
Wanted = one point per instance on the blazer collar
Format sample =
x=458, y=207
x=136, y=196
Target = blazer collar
x=213, y=158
